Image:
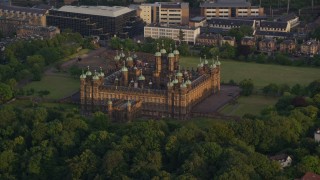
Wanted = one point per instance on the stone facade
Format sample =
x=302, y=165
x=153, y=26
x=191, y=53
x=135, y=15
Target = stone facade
x=164, y=89
x=310, y=47
x=287, y=46
x=267, y=45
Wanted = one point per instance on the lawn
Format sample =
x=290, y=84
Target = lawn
x=251, y=104
x=58, y=85
x=261, y=74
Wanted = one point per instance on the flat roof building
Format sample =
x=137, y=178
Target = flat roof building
x=190, y=34
x=96, y=20
x=230, y=8
x=166, y=13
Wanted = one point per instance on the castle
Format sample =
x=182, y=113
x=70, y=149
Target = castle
x=156, y=88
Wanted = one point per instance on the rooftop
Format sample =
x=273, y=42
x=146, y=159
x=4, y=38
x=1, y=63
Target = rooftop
x=273, y=24
x=231, y=22
x=198, y=19
x=226, y=3
x=286, y=17
x=288, y=41
x=108, y=11
x=272, y=33
x=172, y=27
x=23, y=9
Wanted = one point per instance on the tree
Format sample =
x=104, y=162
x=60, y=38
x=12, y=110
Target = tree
x=228, y=51
x=5, y=93
x=239, y=33
x=1, y=35
x=184, y=49
x=50, y=54
x=309, y=164
x=181, y=36
x=271, y=89
x=246, y=86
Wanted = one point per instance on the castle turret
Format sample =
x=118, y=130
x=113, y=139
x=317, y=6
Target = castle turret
x=141, y=80
x=171, y=60
x=124, y=71
x=179, y=75
x=110, y=108
x=129, y=60
x=163, y=51
x=122, y=55
x=188, y=83
x=129, y=106
x=158, y=60
x=88, y=73
x=101, y=75
x=176, y=56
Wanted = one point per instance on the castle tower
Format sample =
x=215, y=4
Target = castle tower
x=158, y=59
x=124, y=71
x=95, y=88
x=110, y=109
x=213, y=70
x=179, y=75
x=177, y=57
x=171, y=59
x=218, y=72
x=141, y=80
x=101, y=75
x=163, y=51
x=129, y=60
x=82, y=89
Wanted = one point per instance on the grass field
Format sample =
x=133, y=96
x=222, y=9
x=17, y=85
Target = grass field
x=251, y=104
x=261, y=74
x=58, y=86
x=81, y=52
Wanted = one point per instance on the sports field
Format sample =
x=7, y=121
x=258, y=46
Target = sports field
x=261, y=74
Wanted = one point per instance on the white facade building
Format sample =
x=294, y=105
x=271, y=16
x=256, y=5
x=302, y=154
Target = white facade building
x=190, y=34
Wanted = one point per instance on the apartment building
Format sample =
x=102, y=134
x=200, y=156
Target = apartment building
x=227, y=24
x=229, y=8
x=292, y=19
x=190, y=34
x=274, y=26
x=165, y=13
x=310, y=47
x=267, y=45
x=288, y=46
x=34, y=16
x=248, y=41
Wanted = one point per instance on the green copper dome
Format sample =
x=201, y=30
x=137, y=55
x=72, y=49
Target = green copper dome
x=117, y=58
x=124, y=69
x=101, y=74
x=188, y=82
x=169, y=84
x=110, y=102
x=170, y=55
x=163, y=51
x=179, y=74
x=183, y=85
x=95, y=77
x=141, y=78
x=218, y=63
x=157, y=54
x=175, y=81
x=129, y=58
x=83, y=76
x=176, y=52
x=88, y=73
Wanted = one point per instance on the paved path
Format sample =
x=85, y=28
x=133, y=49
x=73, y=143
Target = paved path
x=214, y=102
x=84, y=57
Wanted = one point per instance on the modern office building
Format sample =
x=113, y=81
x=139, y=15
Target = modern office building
x=230, y=8
x=190, y=34
x=102, y=21
x=166, y=13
